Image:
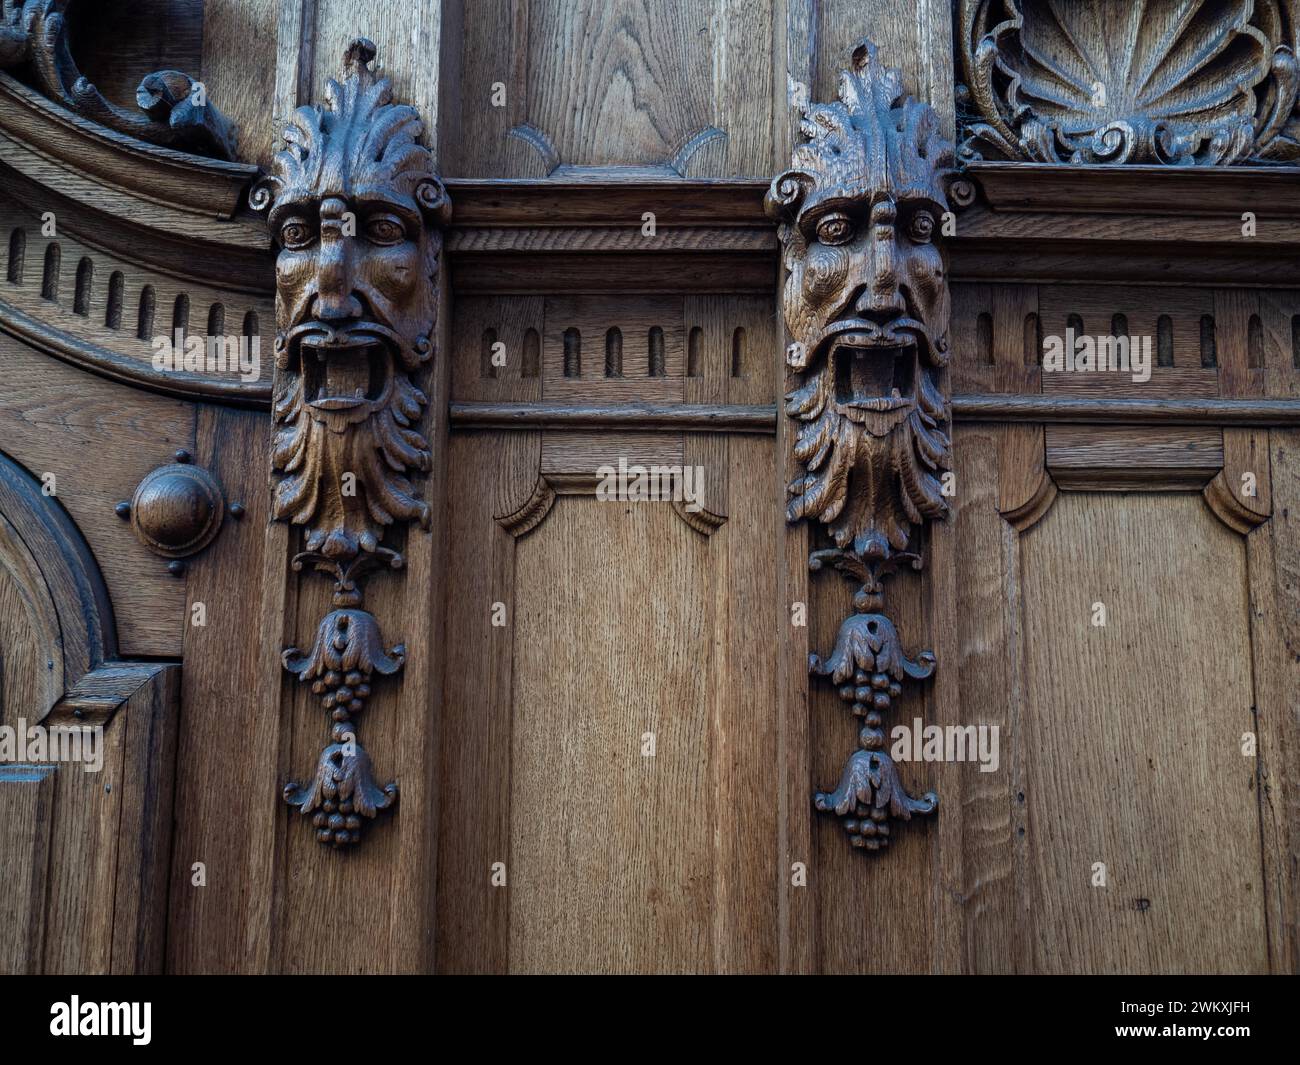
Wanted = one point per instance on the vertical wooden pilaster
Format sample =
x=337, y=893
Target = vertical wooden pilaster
x=917, y=38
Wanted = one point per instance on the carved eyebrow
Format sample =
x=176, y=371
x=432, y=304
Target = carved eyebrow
x=362, y=203
x=910, y=199
x=849, y=205
x=370, y=202
x=905, y=201
x=307, y=206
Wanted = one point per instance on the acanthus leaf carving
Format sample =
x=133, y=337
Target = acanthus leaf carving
x=174, y=111
x=1196, y=82
x=867, y=307
x=354, y=204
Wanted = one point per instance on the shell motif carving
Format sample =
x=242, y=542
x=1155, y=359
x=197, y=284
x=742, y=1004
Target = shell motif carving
x=1166, y=82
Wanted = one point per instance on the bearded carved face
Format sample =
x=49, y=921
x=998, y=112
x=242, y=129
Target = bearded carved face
x=354, y=199
x=866, y=306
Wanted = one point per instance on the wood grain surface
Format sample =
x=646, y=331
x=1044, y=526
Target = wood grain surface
x=520, y=743
x=1133, y=741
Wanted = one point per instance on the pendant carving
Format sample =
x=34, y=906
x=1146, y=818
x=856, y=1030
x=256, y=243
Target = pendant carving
x=867, y=308
x=355, y=206
x=347, y=653
x=870, y=668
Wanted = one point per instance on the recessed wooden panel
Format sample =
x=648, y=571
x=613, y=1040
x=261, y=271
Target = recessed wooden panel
x=26, y=808
x=611, y=851
x=611, y=83
x=619, y=619
x=1133, y=734
x=99, y=439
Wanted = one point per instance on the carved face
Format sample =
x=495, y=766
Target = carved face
x=355, y=203
x=865, y=288
x=867, y=309
x=353, y=285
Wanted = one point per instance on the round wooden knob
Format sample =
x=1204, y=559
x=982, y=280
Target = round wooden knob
x=177, y=510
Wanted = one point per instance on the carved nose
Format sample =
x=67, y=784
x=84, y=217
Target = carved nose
x=335, y=296
x=879, y=303
x=881, y=300
x=335, y=299
x=332, y=307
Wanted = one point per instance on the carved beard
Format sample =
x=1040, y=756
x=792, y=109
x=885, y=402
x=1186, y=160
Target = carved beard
x=869, y=487
x=313, y=449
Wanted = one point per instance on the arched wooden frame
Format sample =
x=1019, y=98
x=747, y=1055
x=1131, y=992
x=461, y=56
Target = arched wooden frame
x=90, y=683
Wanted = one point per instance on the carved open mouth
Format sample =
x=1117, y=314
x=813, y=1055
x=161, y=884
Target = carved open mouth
x=875, y=372
x=342, y=371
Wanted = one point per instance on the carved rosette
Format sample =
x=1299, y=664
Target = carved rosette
x=1194, y=82
x=866, y=306
x=174, y=110
x=355, y=206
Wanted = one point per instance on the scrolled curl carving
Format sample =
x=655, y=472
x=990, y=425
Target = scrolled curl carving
x=174, y=111
x=867, y=308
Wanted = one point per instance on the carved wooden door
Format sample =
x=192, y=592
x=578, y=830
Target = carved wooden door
x=566, y=486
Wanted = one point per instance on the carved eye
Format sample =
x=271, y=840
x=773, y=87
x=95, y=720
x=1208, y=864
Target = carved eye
x=921, y=226
x=384, y=229
x=834, y=229
x=295, y=233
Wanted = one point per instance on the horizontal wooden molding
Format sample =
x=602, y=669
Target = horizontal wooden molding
x=668, y=417
x=596, y=239
x=63, y=143
x=1086, y=410
x=1161, y=190
x=1032, y=222
x=988, y=407
x=98, y=359
x=604, y=198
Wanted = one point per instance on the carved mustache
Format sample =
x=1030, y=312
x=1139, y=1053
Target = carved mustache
x=357, y=333
x=894, y=333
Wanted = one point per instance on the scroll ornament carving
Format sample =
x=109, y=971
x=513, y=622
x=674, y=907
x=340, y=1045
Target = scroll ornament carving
x=354, y=204
x=174, y=111
x=867, y=307
x=1192, y=82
